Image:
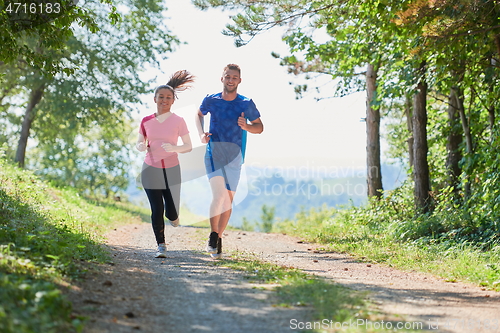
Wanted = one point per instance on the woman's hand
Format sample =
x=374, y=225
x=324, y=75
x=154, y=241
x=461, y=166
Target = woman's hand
x=141, y=146
x=169, y=148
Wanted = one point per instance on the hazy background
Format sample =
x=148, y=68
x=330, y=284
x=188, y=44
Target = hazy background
x=311, y=152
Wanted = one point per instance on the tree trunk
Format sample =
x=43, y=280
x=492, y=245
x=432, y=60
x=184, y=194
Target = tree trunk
x=374, y=174
x=409, y=125
x=420, y=148
x=459, y=102
x=453, y=145
x=35, y=97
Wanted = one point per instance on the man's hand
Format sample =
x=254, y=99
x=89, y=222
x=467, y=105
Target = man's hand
x=205, y=137
x=242, y=121
x=255, y=126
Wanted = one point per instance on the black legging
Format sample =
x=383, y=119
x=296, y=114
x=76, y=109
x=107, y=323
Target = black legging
x=163, y=188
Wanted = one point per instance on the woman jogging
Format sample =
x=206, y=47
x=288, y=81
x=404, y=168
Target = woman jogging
x=161, y=175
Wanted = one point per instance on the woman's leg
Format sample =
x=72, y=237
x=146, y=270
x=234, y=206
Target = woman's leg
x=172, y=194
x=155, y=198
x=152, y=179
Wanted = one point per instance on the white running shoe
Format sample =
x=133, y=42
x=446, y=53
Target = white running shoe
x=162, y=251
x=211, y=250
x=174, y=223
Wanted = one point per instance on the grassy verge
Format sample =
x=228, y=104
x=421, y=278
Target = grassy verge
x=47, y=238
x=371, y=235
x=332, y=307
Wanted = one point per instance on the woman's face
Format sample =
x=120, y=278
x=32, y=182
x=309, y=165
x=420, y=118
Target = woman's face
x=164, y=99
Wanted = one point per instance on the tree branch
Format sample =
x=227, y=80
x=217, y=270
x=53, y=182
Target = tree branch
x=267, y=25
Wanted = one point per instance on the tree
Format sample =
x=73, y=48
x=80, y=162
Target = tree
x=267, y=219
x=374, y=173
x=105, y=82
x=33, y=32
x=420, y=149
x=453, y=144
x=449, y=35
x=96, y=160
x=108, y=76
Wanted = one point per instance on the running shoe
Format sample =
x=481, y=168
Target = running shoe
x=212, y=243
x=218, y=255
x=174, y=223
x=162, y=251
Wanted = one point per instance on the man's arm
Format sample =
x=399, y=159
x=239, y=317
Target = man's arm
x=255, y=127
x=204, y=136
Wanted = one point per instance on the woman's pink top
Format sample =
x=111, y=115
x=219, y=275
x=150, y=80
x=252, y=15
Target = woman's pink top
x=158, y=133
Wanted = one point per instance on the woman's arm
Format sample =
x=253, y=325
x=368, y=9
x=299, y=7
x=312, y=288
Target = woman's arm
x=141, y=143
x=184, y=148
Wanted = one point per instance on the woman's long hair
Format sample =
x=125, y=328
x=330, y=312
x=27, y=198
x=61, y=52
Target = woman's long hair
x=179, y=81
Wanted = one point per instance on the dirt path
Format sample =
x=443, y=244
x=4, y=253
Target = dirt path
x=186, y=293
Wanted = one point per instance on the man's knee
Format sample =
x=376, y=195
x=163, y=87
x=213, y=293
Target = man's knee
x=219, y=199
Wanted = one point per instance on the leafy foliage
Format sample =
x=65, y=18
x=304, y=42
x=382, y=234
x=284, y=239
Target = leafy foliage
x=267, y=219
x=38, y=38
x=95, y=160
x=448, y=242
x=47, y=236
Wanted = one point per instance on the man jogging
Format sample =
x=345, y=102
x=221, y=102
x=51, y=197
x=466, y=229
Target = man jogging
x=231, y=117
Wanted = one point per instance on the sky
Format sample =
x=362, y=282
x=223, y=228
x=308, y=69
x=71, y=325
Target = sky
x=297, y=133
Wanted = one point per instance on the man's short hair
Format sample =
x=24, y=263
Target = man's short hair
x=234, y=67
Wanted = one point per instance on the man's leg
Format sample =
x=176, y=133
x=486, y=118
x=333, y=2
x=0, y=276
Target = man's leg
x=224, y=178
x=221, y=206
x=223, y=221
x=226, y=212
x=217, y=184
x=220, y=211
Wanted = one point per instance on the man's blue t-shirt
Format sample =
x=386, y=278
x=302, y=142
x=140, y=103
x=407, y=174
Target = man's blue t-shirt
x=224, y=121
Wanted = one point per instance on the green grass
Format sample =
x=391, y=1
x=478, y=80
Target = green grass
x=328, y=304
x=371, y=235
x=47, y=238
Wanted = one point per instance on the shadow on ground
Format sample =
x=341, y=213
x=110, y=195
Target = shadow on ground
x=184, y=292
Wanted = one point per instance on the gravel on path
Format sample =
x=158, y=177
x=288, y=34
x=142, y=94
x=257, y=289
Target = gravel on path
x=185, y=292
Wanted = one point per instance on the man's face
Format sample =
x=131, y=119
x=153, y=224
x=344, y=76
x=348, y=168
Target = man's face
x=230, y=80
